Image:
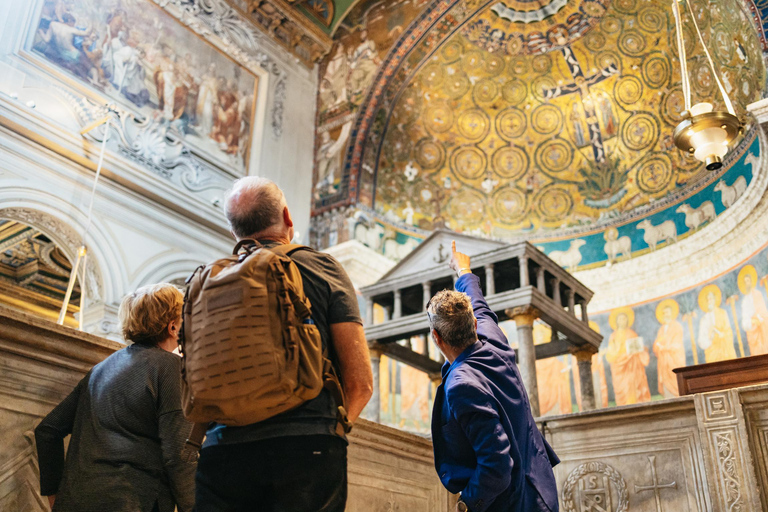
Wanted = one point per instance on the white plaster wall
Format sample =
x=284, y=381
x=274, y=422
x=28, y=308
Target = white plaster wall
x=288, y=160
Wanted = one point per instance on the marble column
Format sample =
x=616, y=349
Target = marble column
x=556, y=292
x=541, y=284
x=490, y=280
x=524, y=317
x=375, y=402
x=571, y=301
x=398, y=308
x=368, y=311
x=584, y=315
x=427, y=291
x=524, y=280
x=584, y=361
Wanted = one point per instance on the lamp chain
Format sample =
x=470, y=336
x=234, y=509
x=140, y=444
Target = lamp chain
x=683, y=58
x=726, y=99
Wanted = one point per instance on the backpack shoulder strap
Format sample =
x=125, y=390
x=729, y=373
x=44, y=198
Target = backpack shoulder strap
x=289, y=249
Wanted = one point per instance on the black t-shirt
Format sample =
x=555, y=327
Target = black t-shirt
x=333, y=300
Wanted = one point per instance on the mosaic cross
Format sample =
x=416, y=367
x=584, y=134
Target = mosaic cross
x=581, y=84
x=655, y=486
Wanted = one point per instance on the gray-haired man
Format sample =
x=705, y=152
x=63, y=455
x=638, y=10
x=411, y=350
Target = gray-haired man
x=293, y=462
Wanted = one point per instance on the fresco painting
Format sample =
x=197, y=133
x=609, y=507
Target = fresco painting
x=718, y=320
x=137, y=54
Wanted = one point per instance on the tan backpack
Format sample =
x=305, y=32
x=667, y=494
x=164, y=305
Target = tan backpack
x=250, y=348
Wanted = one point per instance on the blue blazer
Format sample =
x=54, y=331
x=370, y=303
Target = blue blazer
x=486, y=443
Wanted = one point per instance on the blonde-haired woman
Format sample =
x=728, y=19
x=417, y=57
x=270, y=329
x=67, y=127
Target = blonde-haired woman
x=125, y=418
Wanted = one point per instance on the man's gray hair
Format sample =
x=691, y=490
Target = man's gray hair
x=450, y=314
x=253, y=205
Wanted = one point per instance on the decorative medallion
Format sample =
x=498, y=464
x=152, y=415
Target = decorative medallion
x=486, y=90
x=547, y=119
x=672, y=106
x=632, y=43
x=554, y=156
x=433, y=75
x=654, y=174
x=641, y=131
x=451, y=51
x=468, y=162
x=628, y=90
x=430, y=154
x=438, y=117
x=595, y=486
x=514, y=91
x=457, y=85
x=656, y=71
x=509, y=205
x=473, y=124
x=468, y=205
x=554, y=204
x=510, y=162
x=651, y=19
x=511, y=124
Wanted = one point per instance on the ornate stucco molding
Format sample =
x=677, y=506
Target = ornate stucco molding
x=150, y=143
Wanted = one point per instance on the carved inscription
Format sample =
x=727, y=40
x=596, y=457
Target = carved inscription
x=595, y=487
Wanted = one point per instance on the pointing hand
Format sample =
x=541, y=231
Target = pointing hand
x=459, y=261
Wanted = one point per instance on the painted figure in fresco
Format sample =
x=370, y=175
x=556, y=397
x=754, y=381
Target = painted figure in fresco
x=206, y=101
x=715, y=332
x=60, y=38
x=606, y=112
x=363, y=62
x=668, y=347
x=554, y=374
x=578, y=129
x=599, y=382
x=754, y=314
x=333, y=85
x=628, y=357
x=328, y=158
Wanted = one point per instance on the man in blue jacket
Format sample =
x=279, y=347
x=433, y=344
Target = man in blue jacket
x=486, y=443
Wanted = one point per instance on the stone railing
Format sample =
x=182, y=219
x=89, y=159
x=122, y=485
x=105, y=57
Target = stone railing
x=704, y=452
x=41, y=362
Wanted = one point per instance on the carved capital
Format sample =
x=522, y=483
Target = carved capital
x=523, y=315
x=584, y=353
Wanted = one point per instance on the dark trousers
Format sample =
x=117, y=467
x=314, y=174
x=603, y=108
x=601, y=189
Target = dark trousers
x=286, y=474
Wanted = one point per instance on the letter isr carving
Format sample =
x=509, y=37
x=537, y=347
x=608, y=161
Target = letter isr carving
x=595, y=487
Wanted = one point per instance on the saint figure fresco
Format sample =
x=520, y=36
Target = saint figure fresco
x=754, y=314
x=628, y=357
x=668, y=347
x=715, y=332
x=553, y=375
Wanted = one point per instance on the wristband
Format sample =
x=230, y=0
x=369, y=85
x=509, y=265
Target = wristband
x=459, y=273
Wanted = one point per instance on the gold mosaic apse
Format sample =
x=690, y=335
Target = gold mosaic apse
x=515, y=127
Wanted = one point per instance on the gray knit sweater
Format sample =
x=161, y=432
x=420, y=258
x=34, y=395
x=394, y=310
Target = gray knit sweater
x=127, y=436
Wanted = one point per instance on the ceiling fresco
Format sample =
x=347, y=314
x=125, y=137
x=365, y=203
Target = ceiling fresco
x=540, y=128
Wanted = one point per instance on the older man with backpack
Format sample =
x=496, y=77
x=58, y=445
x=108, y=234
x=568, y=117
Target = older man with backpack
x=276, y=366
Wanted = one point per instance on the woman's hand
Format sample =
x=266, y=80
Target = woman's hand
x=459, y=261
x=51, y=500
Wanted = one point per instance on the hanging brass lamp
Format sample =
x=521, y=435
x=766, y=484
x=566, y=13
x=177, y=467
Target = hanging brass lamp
x=704, y=132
